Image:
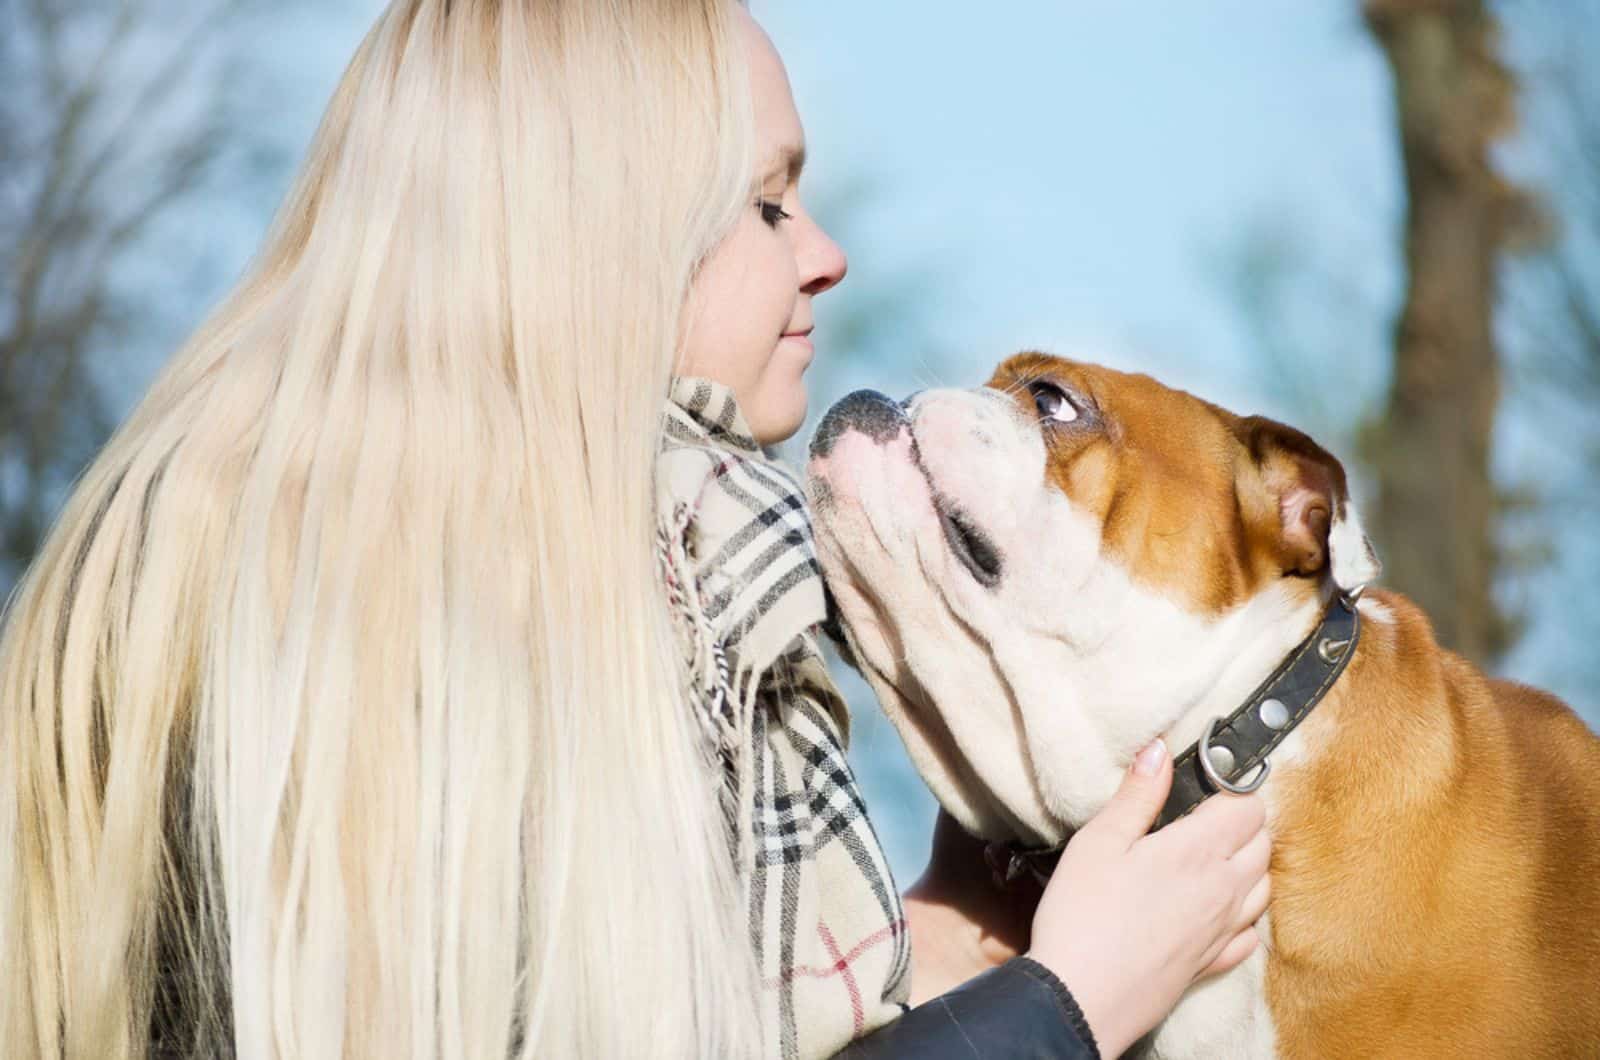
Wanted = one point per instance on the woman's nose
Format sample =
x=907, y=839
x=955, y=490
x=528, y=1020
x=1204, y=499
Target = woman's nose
x=822, y=262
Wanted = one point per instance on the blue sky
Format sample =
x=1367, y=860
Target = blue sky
x=1082, y=165
x=1077, y=177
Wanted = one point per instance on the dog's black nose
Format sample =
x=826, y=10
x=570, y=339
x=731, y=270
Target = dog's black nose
x=874, y=415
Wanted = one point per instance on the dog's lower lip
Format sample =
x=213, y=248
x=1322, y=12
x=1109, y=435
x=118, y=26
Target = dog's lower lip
x=969, y=545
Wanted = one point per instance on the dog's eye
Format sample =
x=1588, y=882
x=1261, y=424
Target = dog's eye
x=1053, y=403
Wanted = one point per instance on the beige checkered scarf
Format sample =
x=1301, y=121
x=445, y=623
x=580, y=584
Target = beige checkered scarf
x=736, y=555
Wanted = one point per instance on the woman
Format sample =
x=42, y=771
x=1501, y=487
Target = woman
x=346, y=710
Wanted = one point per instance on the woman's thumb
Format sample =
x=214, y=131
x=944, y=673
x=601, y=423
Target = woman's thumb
x=1133, y=809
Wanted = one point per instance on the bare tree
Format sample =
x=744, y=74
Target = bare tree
x=1552, y=313
x=1555, y=295
x=1437, y=510
x=111, y=117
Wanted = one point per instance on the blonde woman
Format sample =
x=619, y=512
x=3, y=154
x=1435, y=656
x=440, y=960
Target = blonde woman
x=400, y=681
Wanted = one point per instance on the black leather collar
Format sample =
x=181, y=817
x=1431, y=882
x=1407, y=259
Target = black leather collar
x=1238, y=743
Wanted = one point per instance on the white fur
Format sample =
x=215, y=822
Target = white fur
x=1225, y=1016
x=1023, y=704
x=1351, y=557
x=1374, y=611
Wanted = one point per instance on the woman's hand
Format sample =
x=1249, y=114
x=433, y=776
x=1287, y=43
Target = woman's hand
x=1129, y=921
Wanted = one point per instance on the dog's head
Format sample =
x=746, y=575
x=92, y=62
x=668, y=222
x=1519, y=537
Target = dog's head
x=1039, y=575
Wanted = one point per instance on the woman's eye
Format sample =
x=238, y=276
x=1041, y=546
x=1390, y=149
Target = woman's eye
x=1053, y=403
x=772, y=213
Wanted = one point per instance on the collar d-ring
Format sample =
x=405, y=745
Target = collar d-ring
x=1214, y=775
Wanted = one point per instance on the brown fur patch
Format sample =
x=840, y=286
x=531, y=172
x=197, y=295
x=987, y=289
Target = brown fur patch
x=1436, y=865
x=1169, y=477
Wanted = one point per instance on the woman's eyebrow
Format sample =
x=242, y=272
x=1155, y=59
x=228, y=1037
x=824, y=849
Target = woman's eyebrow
x=790, y=159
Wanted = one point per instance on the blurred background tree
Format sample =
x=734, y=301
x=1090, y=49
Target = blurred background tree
x=1554, y=301
x=1550, y=314
x=115, y=119
x=1437, y=515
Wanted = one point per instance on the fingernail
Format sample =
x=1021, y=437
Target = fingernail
x=1148, y=764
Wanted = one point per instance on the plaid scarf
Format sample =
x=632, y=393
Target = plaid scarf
x=735, y=549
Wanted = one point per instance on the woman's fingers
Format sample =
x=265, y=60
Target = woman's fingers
x=1251, y=860
x=1222, y=824
x=1241, y=946
x=1255, y=903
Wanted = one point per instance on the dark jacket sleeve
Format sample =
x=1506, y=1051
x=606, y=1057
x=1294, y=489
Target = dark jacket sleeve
x=1018, y=1011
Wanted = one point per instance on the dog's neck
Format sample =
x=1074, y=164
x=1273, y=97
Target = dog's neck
x=1258, y=647
x=1170, y=688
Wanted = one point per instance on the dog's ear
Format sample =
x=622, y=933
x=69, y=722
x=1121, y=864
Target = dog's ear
x=1303, y=486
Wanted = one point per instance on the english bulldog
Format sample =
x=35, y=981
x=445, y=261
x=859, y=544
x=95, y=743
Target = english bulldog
x=1040, y=575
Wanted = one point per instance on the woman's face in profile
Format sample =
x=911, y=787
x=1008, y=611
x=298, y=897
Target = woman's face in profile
x=749, y=315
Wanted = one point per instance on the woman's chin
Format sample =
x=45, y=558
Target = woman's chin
x=777, y=420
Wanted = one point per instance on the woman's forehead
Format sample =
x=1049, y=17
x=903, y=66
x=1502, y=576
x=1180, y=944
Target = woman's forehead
x=780, y=138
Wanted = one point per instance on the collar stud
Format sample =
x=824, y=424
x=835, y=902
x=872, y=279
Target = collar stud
x=1274, y=715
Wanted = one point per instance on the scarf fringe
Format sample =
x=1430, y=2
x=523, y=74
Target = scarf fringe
x=724, y=706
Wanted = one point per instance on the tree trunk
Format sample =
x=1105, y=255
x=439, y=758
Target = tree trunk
x=1436, y=518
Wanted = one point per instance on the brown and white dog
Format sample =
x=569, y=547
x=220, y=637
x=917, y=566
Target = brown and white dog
x=1040, y=575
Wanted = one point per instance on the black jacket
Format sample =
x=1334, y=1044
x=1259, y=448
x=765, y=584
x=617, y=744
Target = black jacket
x=1019, y=1010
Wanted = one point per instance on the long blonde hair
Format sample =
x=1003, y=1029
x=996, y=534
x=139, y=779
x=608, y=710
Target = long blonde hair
x=339, y=715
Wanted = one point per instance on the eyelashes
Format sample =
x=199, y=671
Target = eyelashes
x=772, y=213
